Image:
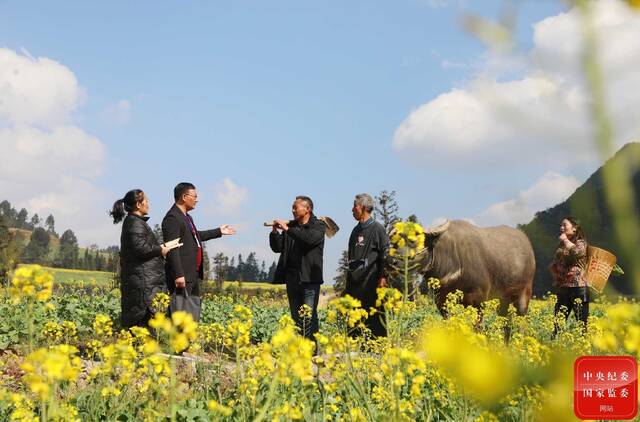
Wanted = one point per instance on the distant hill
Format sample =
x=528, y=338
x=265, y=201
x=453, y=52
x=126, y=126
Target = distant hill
x=588, y=204
x=23, y=236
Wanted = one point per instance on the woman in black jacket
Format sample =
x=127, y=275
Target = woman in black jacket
x=142, y=273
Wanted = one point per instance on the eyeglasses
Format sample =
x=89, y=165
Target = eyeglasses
x=190, y=194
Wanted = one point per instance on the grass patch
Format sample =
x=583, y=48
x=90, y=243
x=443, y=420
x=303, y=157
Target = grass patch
x=71, y=276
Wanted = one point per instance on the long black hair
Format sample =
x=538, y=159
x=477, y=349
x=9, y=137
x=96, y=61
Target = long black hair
x=577, y=226
x=126, y=205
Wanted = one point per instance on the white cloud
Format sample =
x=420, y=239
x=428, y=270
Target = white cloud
x=38, y=91
x=229, y=198
x=42, y=155
x=551, y=189
x=119, y=113
x=543, y=114
x=50, y=165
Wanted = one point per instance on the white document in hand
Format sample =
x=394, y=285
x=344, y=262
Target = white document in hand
x=172, y=244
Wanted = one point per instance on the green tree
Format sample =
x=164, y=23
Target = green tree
x=113, y=261
x=38, y=247
x=240, y=269
x=9, y=251
x=90, y=257
x=68, y=252
x=232, y=271
x=5, y=211
x=206, y=264
x=220, y=269
x=386, y=209
x=343, y=268
x=9, y=213
x=50, y=225
x=413, y=219
x=100, y=261
x=21, y=219
x=263, y=272
x=251, y=268
x=35, y=221
x=272, y=271
x=82, y=259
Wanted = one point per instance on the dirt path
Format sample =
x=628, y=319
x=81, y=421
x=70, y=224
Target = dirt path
x=326, y=297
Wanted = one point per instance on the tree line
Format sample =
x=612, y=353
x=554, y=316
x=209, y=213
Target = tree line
x=221, y=268
x=240, y=269
x=32, y=240
x=14, y=248
x=20, y=219
x=37, y=242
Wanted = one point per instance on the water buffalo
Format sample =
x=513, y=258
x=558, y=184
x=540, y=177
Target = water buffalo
x=484, y=263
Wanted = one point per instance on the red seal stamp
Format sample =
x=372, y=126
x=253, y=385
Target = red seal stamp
x=605, y=387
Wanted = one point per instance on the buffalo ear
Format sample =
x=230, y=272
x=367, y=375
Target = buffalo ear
x=438, y=230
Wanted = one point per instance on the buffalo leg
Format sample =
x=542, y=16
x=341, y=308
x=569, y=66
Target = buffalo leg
x=480, y=319
x=522, y=302
x=503, y=311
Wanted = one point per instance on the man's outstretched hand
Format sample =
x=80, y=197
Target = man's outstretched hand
x=226, y=229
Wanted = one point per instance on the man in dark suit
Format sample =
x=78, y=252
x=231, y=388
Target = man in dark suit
x=300, y=244
x=184, y=265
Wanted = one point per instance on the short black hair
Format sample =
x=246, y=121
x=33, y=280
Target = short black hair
x=305, y=199
x=181, y=189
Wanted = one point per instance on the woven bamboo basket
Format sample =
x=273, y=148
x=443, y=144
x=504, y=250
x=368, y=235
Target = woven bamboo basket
x=599, y=266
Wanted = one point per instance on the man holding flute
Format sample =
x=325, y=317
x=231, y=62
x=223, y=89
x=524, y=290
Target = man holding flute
x=300, y=243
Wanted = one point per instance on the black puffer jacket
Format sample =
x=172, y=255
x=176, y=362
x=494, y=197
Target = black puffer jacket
x=142, y=270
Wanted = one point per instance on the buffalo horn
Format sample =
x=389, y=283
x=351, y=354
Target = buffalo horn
x=436, y=231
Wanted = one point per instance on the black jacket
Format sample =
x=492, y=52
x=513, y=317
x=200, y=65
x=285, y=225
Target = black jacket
x=182, y=261
x=141, y=269
x=367, y=255
x=310, y=239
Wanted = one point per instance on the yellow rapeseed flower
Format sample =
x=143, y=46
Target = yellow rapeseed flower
x=487, y=373
x=218, y=408
x=45, y=368
x=31, y=282
x=293, y=354
x=160, y=302
x=52, y=331
x=103, y=326
x=181, y=329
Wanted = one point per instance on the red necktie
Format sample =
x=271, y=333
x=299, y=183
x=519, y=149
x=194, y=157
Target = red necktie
x=195, y=235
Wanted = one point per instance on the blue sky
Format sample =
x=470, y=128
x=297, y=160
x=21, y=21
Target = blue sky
x=256, y=102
